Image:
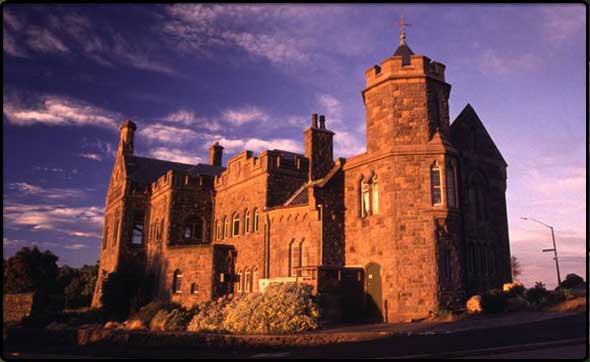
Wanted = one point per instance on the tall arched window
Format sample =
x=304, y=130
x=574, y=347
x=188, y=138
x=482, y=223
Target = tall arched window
x=450, y=181
x=248, y=281
x=238, y=282
x=235, y=229
x=255, y=280
x=217, y=230
x=435, y=185
x=255, y=228
x=374, y=195
x=365, y=198
x=246, y=221
x=161, y=230
x=225, y=227
x=304, y=256
x=137, y=230
x=105, y=236
x=177, y=281
x=477, y=197
x=294, y=257
x=116, y=232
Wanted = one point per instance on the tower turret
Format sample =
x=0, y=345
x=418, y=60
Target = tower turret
x=406, y=100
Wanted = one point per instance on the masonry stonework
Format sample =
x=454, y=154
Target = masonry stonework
x=415, y=224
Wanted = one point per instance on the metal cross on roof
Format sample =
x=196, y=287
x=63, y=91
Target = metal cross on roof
x=402, y=27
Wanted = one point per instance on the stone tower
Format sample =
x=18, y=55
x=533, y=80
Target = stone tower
x=402, y=217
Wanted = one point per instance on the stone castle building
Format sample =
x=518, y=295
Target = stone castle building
x=415, y=224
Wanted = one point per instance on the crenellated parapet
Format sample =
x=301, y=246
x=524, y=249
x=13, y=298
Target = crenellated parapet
x=245, y=165
x=394, y=68
x=181, y=181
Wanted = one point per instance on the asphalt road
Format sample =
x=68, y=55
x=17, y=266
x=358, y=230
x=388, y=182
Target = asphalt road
x=563, y=336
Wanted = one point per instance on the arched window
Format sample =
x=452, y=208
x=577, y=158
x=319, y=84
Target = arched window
x=450, y=181
x=304, y=257
x=225, y=227
x=194, y=288
x=235, y=229
x=374, y=195
x=137, y=230
x=160, y=231
x=255, y=280
x=294, y=258
x=365, y=198
x=177, y=281
x=105, y=236
x=238, y=282
x=116, y=232
x=435, y=185
x=255, y=228
x=246, y=221
x=248, y=281
x=217, y=230
x=477, y=198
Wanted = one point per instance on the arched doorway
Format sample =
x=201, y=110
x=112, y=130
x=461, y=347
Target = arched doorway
x=374, y=302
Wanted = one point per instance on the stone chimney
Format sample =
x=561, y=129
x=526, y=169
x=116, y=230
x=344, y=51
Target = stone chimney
x=319, y=148
x=126, y=140
x=215, y=154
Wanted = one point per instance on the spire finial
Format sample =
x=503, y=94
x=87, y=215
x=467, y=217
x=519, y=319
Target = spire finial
x=402, y=35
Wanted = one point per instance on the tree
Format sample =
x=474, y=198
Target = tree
x=516, y=267
x=31, y=270
x=78, y=285
x=572, y=281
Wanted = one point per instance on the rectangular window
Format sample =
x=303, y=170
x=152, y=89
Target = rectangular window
x=450, y=180
x=365, y=198
x=435, y=186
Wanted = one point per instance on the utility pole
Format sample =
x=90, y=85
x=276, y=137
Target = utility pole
x=554, y=250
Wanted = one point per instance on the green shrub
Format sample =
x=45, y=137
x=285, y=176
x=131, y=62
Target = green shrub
x=536, y=294
x=282, y=308
x=494, y=301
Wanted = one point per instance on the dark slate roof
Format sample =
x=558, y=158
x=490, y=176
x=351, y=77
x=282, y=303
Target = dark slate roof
x=145, y=170
x=405, y=52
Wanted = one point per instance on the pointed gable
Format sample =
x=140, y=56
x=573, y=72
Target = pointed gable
x=470, y=136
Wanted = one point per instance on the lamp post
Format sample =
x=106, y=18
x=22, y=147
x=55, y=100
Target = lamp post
x=554, y=250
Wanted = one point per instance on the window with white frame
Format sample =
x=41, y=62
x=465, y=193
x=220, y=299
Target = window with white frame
x=235, y=230
x=435, y=185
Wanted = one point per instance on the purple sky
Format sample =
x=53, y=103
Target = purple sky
x=250, y=76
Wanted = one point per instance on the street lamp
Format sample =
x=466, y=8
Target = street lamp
x=554, y=250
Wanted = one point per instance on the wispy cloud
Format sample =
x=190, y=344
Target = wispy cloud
x=59, y=111
x=44, y=41
x=198, y=28
x=174, y=154
x=562, y=21
x=246, y=114
x=167, y=134
x=257, y=144
x=77, y=246
x=53, y=217
x=91, y=156
x=495, y=63
x=51, y=193
x=187, y=117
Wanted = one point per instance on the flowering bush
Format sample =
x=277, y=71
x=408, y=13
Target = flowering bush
x=282, y=308
x=209, y=315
